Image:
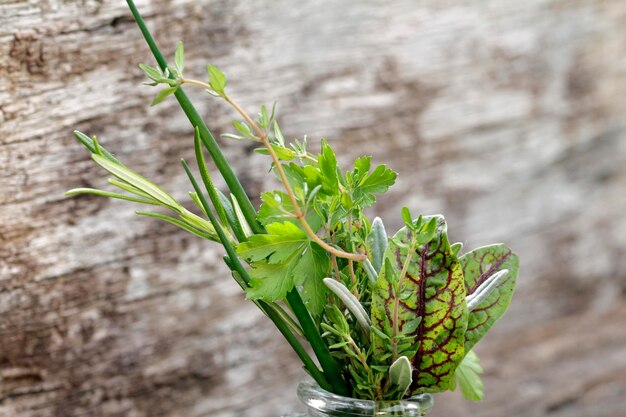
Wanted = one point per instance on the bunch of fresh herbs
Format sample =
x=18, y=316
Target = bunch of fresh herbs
x=386, y=317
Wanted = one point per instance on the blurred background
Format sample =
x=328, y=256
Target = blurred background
x=508, y=117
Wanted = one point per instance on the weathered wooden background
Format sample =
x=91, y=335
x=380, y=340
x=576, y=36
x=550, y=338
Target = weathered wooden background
x=509, y=117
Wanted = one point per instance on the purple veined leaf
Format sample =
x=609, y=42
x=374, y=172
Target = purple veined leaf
x=432, y=294
x=478, y=266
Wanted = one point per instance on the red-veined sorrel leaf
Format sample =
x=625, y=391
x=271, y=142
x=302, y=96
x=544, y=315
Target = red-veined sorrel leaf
x=478, y=265
x=432, y=294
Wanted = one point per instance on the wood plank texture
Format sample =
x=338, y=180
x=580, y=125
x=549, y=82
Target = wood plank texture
x=509, y=117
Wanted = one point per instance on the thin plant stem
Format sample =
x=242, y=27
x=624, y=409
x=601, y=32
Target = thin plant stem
x=396, y=301
x=281, y=173
x=273, y=315
x=205, y=134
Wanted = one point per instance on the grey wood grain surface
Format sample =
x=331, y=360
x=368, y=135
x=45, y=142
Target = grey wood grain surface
x=508, y=117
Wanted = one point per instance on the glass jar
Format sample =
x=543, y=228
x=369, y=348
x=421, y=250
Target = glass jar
x=321, y=403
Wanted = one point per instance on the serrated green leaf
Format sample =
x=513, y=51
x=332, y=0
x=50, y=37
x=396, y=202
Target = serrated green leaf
x=311, y=268
x=272, y=281
x=362, y=167
x=365, y=185
x=467, y=377
x=281, y=241
x=276, y=206
x=217, y=80
x=379, y=180
x=478, y=265
x=280, y=259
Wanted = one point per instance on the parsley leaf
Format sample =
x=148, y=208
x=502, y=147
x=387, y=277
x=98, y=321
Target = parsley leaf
x=281, y=259
x=277, y=207
x=327, y=162
x=310, y=272
x=467, y=377
x=365, y=184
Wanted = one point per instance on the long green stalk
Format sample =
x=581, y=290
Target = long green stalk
x=205, y=134
x=234, y=260
x=328, y=364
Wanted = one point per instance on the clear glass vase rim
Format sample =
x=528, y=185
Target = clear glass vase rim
x=327, y=403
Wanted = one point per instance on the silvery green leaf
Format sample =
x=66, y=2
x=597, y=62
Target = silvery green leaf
x=400, y=373
x=485, y=289
x=351, y=302
x=369, y=270
x=377, y=240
